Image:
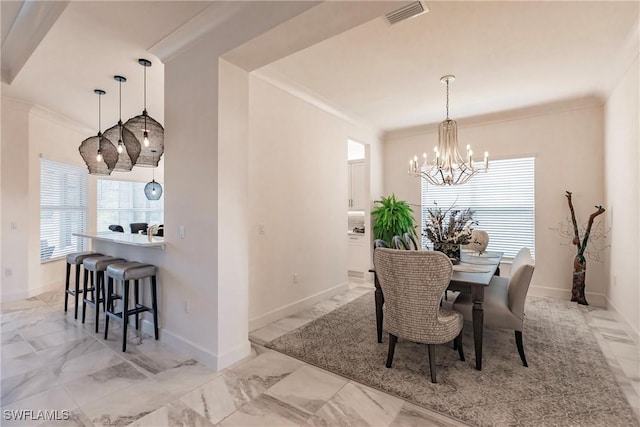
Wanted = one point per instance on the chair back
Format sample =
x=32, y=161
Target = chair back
x=138, y=226
x=519, y=281
x=379, y=243
x=398, y=243
x=411, y=242
x=413, y=283
x=117, y=228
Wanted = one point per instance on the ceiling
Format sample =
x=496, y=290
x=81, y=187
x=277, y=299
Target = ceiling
x=505, y=55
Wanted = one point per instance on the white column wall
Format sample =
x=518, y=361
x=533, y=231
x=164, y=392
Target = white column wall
x=568, y=147
x=297, y=194
x=622, y=198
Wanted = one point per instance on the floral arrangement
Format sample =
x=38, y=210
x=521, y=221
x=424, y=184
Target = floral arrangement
x=449, y=226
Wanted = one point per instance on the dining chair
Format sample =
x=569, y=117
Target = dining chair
x=411, y=242
x=398, y=243
x=117, y=228
x=504, y=299
x=138, y=226
x=413, y=283
x=479, y=241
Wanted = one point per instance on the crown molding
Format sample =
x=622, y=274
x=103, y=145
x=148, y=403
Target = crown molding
x=59, y=119
x=277, y=79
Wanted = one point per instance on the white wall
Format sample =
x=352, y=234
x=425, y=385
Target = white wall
x=298, y=194
x=622, y=186
x=568, y=147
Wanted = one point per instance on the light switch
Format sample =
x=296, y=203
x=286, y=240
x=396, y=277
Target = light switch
x=182, y=231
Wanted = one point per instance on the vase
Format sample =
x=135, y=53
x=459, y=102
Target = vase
x=452, y=250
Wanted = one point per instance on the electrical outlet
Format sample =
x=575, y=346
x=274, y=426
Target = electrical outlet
x=186, y=306
x=14, y=225
x=182, y=231
x=261, y=228
x=295, y=278
x=8, y=272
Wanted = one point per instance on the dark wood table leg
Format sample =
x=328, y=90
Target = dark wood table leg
x=477, y=296
x=379, y=304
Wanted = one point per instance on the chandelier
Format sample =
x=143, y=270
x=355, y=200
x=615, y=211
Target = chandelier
x=449, y=167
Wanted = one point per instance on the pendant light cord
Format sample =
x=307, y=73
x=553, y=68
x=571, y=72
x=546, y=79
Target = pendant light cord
x=99, y=113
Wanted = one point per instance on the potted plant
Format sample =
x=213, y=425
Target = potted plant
x=392, y=217
x=448, y=229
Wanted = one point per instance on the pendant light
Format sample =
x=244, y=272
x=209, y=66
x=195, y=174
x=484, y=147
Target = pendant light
x=99, y=154
x=128, y=145
x=147, y=130
x=153, y=190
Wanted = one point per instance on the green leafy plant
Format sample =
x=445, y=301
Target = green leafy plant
x=391, y=217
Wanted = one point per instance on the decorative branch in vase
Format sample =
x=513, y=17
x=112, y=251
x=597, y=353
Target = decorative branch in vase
x=448, y=229
x=580, y=261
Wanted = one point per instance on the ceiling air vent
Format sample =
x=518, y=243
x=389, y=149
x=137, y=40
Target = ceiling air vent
x=406, y=12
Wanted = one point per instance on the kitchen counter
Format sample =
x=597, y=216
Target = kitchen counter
x=139, y=240
x=353, y=233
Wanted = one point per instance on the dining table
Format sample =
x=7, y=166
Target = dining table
x=472, y=274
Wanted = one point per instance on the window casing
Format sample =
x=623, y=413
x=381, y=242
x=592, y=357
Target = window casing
x=63, y=209
x=124, y=202
x=503, y=201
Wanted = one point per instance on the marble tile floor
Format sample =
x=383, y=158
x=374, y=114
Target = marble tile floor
x=66, y=367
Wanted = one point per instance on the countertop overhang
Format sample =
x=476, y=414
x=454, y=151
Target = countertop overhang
x=139, y=240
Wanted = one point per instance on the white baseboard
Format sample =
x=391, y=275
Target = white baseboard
x=595, y=299
x=631, y=329
x=32, y=292
x=213, y=361
x=294, y=307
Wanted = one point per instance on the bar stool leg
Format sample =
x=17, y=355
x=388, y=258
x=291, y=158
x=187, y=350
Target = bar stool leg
x=125, y=314
x=77, y=289
x=136, y=297
x=99, y=285
x=66, y=288
x=154, y=305
x=84, y=293
x=109, y=306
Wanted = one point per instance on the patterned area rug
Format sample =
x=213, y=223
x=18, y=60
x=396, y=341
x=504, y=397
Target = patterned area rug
x=567, y=383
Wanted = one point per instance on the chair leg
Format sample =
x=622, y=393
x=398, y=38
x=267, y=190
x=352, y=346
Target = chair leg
x=125, y=314
x=66, y=288
x=432, y=361
x=136, y=300
x=154, y=305
x=85, y=282
x=521, y=347
x=392, y=348
x=77, y=289
x=96, y=305
x=109, y=305
x=458, y=344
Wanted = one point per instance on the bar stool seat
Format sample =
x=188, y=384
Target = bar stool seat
x=76, y=259
x=96, y=265
x=125, y=272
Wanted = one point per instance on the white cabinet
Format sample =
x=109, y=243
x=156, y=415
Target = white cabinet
x=358, y=253
x=357, y=199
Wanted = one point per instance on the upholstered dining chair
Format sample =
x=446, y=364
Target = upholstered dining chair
x=117, y=228
x=411, y=241
x=504, y=299
x=398, y=243
x=413, y=283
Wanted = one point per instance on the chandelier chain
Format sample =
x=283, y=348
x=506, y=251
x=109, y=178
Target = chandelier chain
x=447, y=98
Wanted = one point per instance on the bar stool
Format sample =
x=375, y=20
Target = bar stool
x=76, y=259
x=125, y=272
x=96, y=267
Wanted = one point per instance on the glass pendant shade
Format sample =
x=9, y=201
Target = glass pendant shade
x=131, y=147
x=89, y=148
x=153, y=190
x=155, y=135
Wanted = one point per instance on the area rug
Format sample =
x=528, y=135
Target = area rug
x=568, y=381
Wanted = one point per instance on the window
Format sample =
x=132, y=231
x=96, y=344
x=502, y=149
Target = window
x=502, y=200
x=124, y=202
x=63, y=209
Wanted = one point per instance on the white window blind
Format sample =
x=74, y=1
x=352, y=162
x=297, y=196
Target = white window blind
x=123, y=202
x=63, y=208
x=503, y=201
